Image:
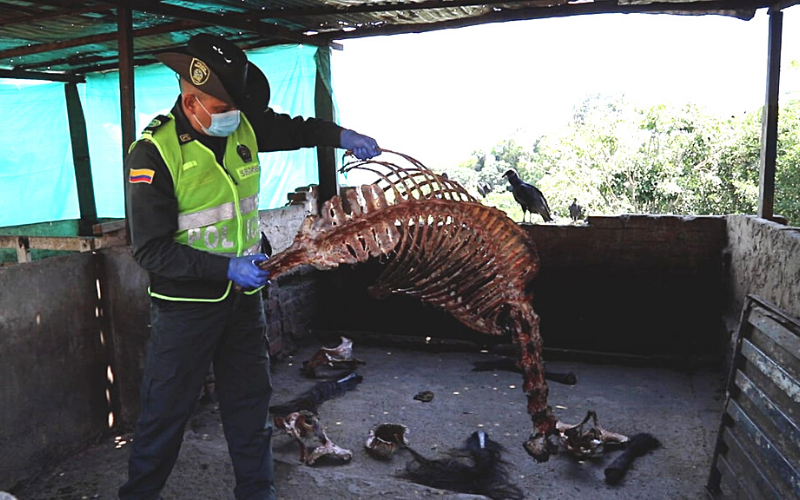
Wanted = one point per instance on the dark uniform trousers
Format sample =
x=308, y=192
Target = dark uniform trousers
x=185, y=338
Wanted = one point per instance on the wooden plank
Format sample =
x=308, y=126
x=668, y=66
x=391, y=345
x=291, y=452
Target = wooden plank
x=41, y=75
x=772, y=370
x=786, y=426
x=748, y=475
x=785, y=4
x=126, y=83
x=730, y=479
x=109, y=227
x=23, y=250
x=61, y=243
x=66, y=243
x=780, y=356
x=323, y=107
x=785, y=470
x=773, y=328
x=769, y=393
x=80, y=160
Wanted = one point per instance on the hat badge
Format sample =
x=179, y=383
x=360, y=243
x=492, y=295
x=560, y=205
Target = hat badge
x=198, y=71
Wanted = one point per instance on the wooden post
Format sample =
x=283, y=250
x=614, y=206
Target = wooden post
x=126, y=88
x=769, y=121
x=80, y=159
x=323, y=104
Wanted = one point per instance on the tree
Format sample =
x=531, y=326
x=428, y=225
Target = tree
x=616, y=158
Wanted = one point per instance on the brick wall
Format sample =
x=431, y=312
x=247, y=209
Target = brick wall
x=648, y=285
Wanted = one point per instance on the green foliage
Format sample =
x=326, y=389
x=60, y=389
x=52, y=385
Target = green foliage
x=787, y=175
x=616, y=158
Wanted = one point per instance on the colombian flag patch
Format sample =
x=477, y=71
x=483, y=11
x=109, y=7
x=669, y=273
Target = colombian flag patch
x=141, y=175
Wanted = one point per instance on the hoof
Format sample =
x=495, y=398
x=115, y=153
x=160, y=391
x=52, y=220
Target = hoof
x=537, y=447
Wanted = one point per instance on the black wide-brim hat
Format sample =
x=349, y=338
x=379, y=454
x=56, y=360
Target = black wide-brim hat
x=220, y=69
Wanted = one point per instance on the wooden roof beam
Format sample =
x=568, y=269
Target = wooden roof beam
x=784, y=4
x=36, y=75
x=69, y=4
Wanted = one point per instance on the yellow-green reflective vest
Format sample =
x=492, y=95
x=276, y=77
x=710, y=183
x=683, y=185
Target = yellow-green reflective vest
x=217, y=212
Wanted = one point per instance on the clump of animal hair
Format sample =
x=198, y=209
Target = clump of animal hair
x=477, y=468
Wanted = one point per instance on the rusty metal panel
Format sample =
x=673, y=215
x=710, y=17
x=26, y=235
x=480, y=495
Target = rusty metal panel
x=758, y=447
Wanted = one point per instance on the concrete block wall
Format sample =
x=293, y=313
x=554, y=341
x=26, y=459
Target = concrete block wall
x=637, y=284
x=73, y=333
x=53, y=369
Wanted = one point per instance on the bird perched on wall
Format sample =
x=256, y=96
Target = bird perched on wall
x=528, y=196
x=575, y=210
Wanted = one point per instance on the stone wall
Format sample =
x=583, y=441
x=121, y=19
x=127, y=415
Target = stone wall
x=764, y=259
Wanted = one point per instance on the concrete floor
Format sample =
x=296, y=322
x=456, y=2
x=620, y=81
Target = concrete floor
x=681, y=409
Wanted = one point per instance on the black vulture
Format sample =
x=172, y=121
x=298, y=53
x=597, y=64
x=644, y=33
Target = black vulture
x=528, y=196
x=575, y=210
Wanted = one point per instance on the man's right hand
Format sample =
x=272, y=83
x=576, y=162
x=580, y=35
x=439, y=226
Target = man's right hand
x=244, y=271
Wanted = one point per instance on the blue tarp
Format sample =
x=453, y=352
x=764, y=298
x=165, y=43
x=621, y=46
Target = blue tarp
x=37, y=176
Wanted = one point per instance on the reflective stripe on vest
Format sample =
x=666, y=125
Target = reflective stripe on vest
x=215, y=214
x=248, y=251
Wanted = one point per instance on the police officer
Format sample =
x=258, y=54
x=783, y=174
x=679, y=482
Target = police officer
x=192, y=198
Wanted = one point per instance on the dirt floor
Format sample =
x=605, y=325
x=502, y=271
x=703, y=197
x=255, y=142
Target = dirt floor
x=681, y=409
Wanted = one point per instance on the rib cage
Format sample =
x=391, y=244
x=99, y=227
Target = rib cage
x=441, y=246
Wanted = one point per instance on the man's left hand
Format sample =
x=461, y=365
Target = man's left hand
x=363, y=146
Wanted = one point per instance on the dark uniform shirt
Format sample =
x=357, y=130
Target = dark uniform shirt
x=153, y=208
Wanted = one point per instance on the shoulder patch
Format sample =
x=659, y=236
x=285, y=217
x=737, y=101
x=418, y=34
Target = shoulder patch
x=138, y=175
x=155, y=123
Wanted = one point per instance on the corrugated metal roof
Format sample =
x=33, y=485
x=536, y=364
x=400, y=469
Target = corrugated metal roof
x=76, y=37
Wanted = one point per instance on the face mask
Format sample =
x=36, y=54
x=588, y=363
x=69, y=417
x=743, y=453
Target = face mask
x=222, y=124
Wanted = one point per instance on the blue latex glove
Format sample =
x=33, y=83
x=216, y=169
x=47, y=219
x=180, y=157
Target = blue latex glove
x=363, y=146
x=244, y=272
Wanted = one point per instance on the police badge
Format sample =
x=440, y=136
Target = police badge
x=244, y=153
x=199, y=72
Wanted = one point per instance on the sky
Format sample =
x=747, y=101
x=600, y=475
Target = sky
x=441, y=95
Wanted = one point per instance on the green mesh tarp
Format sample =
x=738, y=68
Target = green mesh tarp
x=37, y=177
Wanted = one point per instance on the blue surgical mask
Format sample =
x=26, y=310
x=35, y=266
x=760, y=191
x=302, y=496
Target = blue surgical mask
x=222, y=124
